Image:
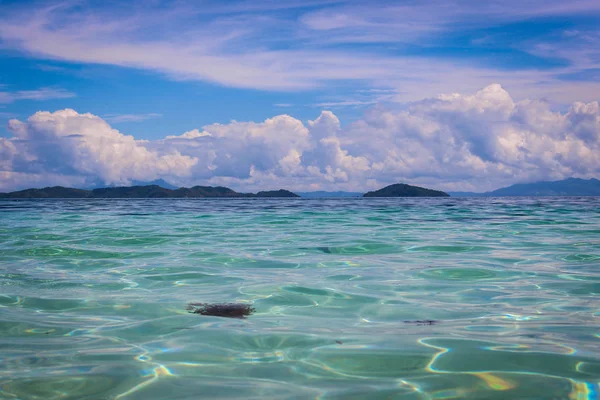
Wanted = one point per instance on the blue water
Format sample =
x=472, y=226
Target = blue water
x=93, y=297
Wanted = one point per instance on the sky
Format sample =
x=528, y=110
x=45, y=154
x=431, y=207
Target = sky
x=303, y=95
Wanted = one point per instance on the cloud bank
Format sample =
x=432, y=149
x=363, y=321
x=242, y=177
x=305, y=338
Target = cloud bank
x=415, y=49
x=478, y=141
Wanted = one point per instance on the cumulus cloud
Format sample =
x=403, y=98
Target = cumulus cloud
x=239, y=149
x=82, y=147
x=478, y=141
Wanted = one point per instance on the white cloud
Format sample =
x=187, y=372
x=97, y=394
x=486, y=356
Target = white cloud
x=119, y=118
x=479, y=141
x=193, y=134
x=236, y=45
x=66, y=143
x=39, y=94
x=238, y=148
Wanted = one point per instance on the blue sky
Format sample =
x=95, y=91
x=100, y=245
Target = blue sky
x=162, y=68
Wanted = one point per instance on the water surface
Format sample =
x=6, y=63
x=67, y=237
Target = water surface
x=93, y=296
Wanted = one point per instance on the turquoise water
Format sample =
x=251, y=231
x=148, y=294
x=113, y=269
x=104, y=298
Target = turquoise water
x=93, y=297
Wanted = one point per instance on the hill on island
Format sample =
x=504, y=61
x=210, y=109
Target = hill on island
x=565, y=187
x=140, y=192
x=404, y=190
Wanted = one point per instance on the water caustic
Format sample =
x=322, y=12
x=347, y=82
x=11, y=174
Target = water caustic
x=353, y=299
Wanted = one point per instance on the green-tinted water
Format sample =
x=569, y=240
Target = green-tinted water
x=93, y=296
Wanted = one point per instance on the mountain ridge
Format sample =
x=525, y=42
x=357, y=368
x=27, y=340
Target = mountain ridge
x=564, y=187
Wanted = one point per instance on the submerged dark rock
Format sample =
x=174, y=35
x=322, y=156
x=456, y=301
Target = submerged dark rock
x=227, y=310
x=422, y=322
x=325, y=249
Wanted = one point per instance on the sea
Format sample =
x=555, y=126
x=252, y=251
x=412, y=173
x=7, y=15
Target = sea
x=395, y=298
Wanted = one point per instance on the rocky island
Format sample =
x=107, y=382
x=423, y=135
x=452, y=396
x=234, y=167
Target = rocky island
x=404, y=190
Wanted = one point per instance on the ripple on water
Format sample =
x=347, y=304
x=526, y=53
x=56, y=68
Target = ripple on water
x=367, y=248
x=313, y=291
x=371, y=363
x=52, y=251
x=460, y=355
x=47, y=236
x=449, y=249
x=141, y=241
x=462, y=274
x=344, y=277
x=585, y=289
x=92, y=254
x=581, y=257
x=182, y=276
x=52, y=304
x=67, y=384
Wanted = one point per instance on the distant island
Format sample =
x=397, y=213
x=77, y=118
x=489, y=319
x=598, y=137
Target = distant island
x=159, y=191
x=404, y=190
x=139, y=192
x=565, y=187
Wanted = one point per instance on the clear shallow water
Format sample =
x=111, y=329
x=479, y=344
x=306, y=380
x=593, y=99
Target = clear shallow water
x=93, y=296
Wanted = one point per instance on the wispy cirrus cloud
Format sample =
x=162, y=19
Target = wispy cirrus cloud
x=296, y=46
x=119, y=118
x=50, y=68
x=45, y=93
x=347, y=103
